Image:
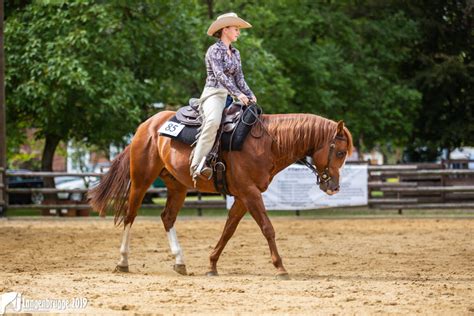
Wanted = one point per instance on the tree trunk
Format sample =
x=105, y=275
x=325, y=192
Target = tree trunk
x=360, y=147
x=210, y=9
x=50, y=146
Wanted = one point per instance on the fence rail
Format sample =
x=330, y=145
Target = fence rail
x=187, y=204
x=423, y=186
x=424, y=172
x=55, y=174
x=52, y=191
x=459, y=188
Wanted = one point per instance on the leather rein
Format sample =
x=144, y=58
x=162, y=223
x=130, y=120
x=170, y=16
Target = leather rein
x=324, y=177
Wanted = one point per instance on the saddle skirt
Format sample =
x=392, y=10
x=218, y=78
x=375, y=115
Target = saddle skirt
x=237, y=121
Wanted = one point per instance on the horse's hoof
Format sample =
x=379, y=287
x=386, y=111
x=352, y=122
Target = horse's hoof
x=180, y=268
x=282, y=276
x=121, y=269
x=212, y=273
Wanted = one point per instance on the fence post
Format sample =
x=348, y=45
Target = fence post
x=443, y=182
x=3, y=138
x=199, y=208
x=3, y=192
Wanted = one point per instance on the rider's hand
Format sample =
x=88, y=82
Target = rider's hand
x=243, y=98
x=253, y=99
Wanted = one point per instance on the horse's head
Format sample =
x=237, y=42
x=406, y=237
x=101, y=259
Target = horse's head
x=331, y=158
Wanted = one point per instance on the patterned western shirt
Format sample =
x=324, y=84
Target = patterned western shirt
x=224, y=71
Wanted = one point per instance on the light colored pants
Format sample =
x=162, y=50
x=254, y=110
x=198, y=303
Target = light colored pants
x=212, y=104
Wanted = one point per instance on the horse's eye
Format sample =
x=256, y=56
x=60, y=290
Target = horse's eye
x=340, y=154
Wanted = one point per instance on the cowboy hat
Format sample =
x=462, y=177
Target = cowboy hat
x=228, y=19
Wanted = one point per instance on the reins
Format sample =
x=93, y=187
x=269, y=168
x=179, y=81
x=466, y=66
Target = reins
x=320, y=178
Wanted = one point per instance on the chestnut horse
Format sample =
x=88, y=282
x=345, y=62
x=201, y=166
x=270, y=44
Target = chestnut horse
x=274, y=143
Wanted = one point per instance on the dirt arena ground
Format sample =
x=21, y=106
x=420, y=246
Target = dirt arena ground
x=358, y=266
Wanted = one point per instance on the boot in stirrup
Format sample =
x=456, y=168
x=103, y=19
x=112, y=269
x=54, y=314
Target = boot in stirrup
x=202, y=171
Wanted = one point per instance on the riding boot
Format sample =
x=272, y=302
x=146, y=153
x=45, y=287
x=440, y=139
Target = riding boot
x=202, y=171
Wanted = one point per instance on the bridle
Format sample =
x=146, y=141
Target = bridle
x=324, y=176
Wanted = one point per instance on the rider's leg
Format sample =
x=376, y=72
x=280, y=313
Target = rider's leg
x=212, y=105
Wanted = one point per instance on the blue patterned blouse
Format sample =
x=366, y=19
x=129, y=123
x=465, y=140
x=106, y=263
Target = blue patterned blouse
x=224, y=71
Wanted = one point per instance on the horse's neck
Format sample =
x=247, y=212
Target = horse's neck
x=296, y=135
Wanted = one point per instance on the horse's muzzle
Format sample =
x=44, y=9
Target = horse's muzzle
x=329, y=188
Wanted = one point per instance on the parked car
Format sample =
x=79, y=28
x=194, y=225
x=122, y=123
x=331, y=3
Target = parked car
x=18, y=182
x=73, y=183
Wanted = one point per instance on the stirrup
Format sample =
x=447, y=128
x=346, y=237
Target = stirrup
x=202, y=171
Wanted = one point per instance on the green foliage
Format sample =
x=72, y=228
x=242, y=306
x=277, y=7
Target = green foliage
x=87, y=71
x=264, y=74
x=340, y=65
x=442, y=69
x=397, y=72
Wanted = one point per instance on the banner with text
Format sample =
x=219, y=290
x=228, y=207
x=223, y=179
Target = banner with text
x=294, y=188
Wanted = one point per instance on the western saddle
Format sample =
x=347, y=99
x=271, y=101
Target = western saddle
x=190, y=116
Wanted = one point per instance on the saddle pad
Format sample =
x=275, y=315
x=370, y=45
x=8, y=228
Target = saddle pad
x=238, y=135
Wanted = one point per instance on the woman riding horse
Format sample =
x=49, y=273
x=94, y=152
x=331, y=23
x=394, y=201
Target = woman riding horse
x=282, y=140
x=224, y=77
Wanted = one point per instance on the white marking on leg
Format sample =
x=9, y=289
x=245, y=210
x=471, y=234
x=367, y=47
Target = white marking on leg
x=125, y=247
x=175, y=247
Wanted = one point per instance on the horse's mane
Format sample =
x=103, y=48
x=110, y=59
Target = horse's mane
x=300, y=132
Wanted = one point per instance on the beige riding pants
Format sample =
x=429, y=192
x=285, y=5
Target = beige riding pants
x=212, y=104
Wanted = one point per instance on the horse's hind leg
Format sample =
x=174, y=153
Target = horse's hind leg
x=137, y=192
x=145, y=166
x=174, y=202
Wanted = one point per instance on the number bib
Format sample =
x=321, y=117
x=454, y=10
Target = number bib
x=171, y=128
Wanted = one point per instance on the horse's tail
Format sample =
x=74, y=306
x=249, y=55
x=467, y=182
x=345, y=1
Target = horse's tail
x=114, y=188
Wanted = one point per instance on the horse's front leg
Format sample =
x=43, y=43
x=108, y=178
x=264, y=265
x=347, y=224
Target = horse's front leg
x=254, y=203
x=174, y=202
x=236, y=212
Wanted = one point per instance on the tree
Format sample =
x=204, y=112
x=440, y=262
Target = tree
x=88, y=71
x=340, y=65
x=442, y=69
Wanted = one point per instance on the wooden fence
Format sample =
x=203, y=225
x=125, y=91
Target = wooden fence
x=54, y=206
x=422, y=186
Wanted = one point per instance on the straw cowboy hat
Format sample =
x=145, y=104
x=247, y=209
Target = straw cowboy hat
x=228, y=19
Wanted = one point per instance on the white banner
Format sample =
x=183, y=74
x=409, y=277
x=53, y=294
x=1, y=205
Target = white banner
x=294, y=188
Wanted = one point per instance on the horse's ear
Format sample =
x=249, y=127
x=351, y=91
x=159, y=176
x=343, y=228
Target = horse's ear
x=340, y=128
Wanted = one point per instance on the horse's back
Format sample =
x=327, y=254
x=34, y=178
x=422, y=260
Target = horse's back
x=159, y=118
